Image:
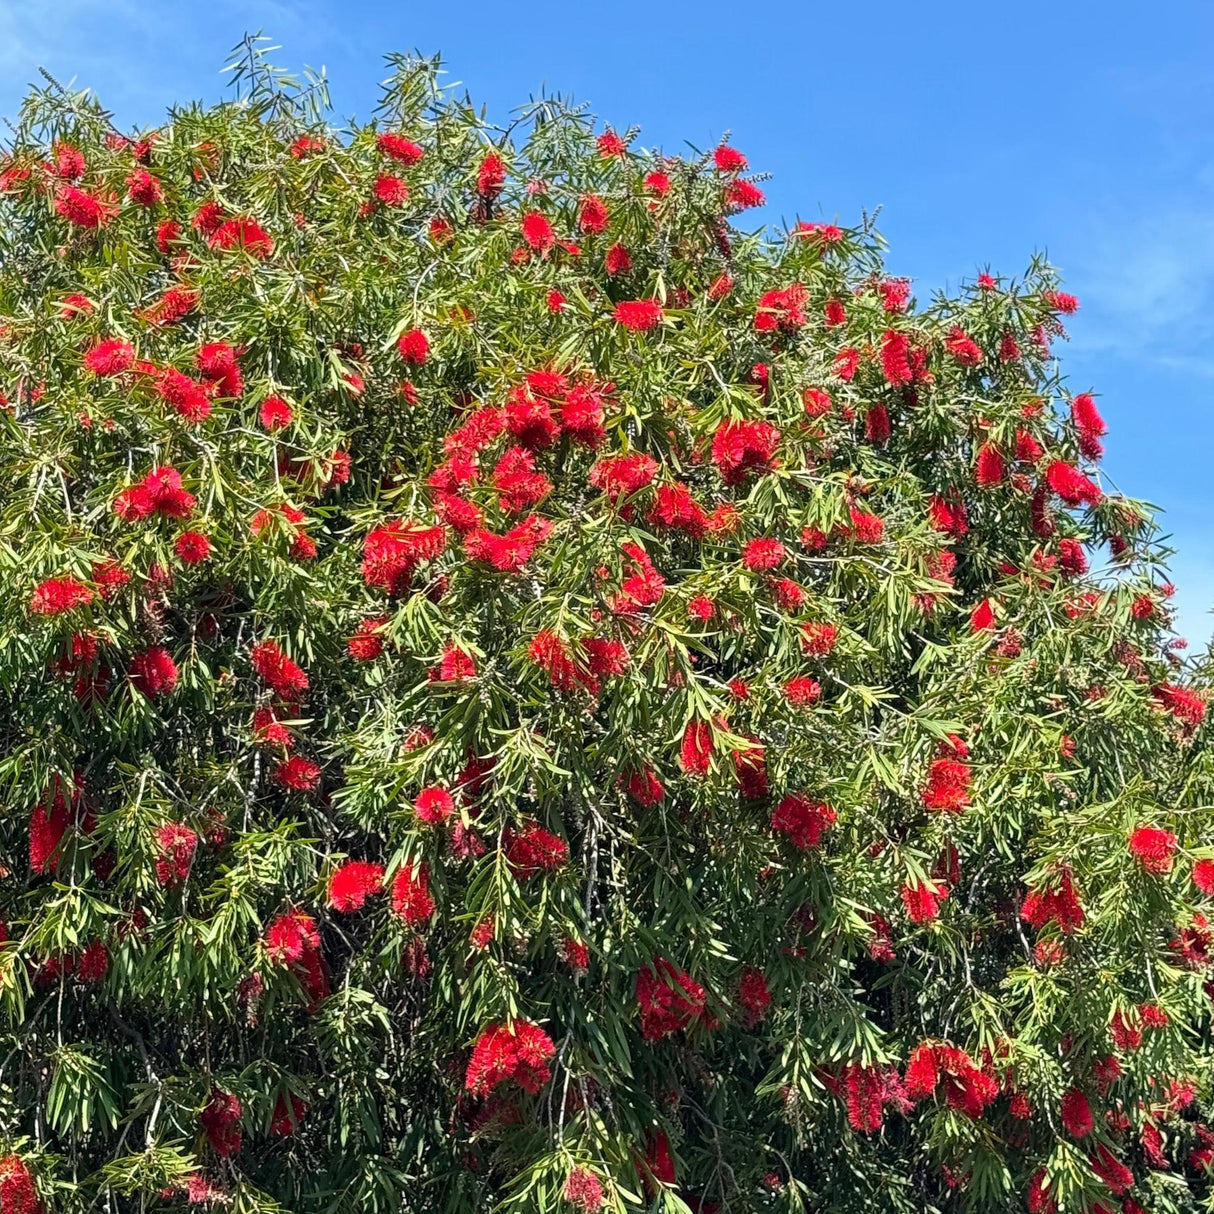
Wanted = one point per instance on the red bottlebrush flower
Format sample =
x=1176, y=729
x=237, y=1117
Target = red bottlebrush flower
x=1111, y=1170
x=963, y=348
x=491, y=175
x=592, y=214
x=657, y=183
x=695, y=756
x=701, y=608
x=208, y=218
x=534, y=850
x=94, y=962
x=922, y=900
x=509, y=552
x=1060, y=301
x=617, y=261
x=584, y=1190
x=298, y=774
x=818, y=639
x=720, y=287
x=168, y=233
x=802, y=820
x=788, y=594
x=1072, y=557
x=988, y=466
x=658, y=1166
x=922, y=1072
x=575, y=955
x=58, y=595
x=1076, y=1113
x=1060, y=905
x=670, y=999
x=289, y=937
x=192, y=547
x=834, y=313
x=802, y=691
x=153, y=672
x=729, y=160
x=741, y=195
x=412, y=902
x=221, y=1121
x=368, y=642
x=1039, y=1199
x=555, y=301
x=188, y=397
x=865, y=528
x=537, y=231
x=392, y=552
x=739, y=447
x=1086, y=416
x=109, y=357
x=761, y=555
x=644, y=787
x=1153, y=848
x=433, y=806
x=948, y=515
x=288, y=1113
x=1203, y=876
x=639, y=315
x=750, y=768
x=947, y=787
x=399, y=148
x=564, y=667
x=782, y=310
x=414, y=347
x=529, y=418
x=455, y=666
x=144, y=189
x=353, y=883
x=69, y=162
x=982, y=618
x=754, y=995
x=518, y=484
x=175, y=847
x=1071, y=485
x=76, y=305
x=895, y=360
x=865, y=1098
x=82, y=209
x=275, y=414
x=518, y=1053
x=817, y=402
x=276, y=669
x=876, y=425
x=610, y=145
x=1009, y=347
x=243, y=234
x=1183, y=704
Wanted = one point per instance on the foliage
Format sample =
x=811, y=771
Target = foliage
x=518, y=694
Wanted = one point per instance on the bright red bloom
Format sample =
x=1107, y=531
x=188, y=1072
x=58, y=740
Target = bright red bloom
x=1153, y=848
x=393, y=550
x=1071, y=485
x=192, y=547
x=1076, y=1113
x=537, y=231
x=353, y=883
x=592, y=214
x=1203, y=876
x=818, y=639
x=287, y=1115
x=782, y=310
x=274, y=414
x=221, y=1121
x=109, y=357
x=754, y=995
x=175, y=847
x=144, y=189
x=298, y=774
x=610, y=145
x=802, y=820
x=583, y=1189
x=740, y=195
x=243, y=234
x=534, y=850
x=729, y=160
x=491, y=175
x=411, y=899
x=518, y=1053
x=433, y=806
x=802, y=691
x=617, y=261
x=1059, y=904
x=399, y=148
x=188, y=397
x=988, y=466
x=657, y=183
x=639, y=315
x=695, y=757
x=963, y=348
x=153, y=672
x=1060, y=301
x=414, y=347
x=763, y=554
x=58, y=595
x=368, y=642
x=742, y=446
x=669, y=998
x=922, y=900
x=1185, y=705
x=280, y=672
x=895, y=361
x=160, y=492
x=82, y=209
x=947, y=787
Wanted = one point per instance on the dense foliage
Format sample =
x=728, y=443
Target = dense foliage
x=517, y=694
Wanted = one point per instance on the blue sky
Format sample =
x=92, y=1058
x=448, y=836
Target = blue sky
x=985, y=132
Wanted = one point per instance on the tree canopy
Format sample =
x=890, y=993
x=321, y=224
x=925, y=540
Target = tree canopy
x=519, y=693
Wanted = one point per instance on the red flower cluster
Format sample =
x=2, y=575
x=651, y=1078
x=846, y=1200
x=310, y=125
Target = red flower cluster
x=353, y=883
x=669, y=998
x=1153, y=848
x=802, y=821
x=517, y=1053
x=160, y=492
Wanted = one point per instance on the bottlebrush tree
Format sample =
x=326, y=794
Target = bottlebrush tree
x=518, y=694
